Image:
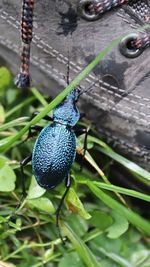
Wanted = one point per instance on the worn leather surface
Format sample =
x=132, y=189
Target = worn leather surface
x=119, y=104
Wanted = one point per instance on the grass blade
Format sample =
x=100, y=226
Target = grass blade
x=122, y=190
x=82, y=249
x=131, y=216
x=133, y=167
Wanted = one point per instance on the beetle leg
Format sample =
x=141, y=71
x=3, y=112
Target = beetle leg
x=36, y=128
x=23, y=163
x=79, y=132
x=68, y=184
x=82, y=115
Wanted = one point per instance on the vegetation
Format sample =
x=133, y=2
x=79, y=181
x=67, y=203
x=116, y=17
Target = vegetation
x=101, y=227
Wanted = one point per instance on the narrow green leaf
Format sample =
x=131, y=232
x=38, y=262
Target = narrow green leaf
x=40, y=97
x=82, y=249
x=2, y=114
x=122, y=190
x=131, y=216
x=115, y=258
x=13, y=123
x=42, y=203
x=3, y=219
x=26, y=102
x=6, y=264
x=134, y=168
x=48, y=253
x=139, y=258
x=15, y=226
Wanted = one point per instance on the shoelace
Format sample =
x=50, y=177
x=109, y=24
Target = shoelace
x=93, y=9
x=99, y=7
x=23, y=78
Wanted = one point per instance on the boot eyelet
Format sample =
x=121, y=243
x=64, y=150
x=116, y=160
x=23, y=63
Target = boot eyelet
x=126, y=47
x=84, y=11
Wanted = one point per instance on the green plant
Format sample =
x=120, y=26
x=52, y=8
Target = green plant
x=101, y=229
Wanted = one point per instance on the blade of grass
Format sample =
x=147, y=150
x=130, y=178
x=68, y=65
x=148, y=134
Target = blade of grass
x=84, y=252
x=131, y=216
x=100, y=172
x=13, y=123
x=115, y=258
x=62, y=95
x=133, y=167
x=114, y=188
x=20, y=106
x=38, y=95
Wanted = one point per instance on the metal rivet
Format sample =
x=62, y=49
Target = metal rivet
x=126, y=49
x=83, y=10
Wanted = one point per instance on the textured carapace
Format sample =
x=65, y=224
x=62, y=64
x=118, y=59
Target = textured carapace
x=55, y=148
x=66, y=112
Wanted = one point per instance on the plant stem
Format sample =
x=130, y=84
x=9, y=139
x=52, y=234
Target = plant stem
x=20, y=106
x=38, y=95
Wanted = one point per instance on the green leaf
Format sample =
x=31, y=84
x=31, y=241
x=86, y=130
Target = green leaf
x=7, y=177
x=6, y=264
x=71, y=259
x=134, y=168
x=125, y=191
x=35, y=191
x=48, y=254
x=115, y=258
x=75, y=205
x=2, y=162
x=110, y=245
x=5, y=79
x=82, y=249
x=39, y=96
x=42, y=203
x=77, y=224
x=2, y=114
x=110, y=249
x=119, y=227
x=141, y=258
x=131, y=216
x=15, y=225
x=3, y=219
x=100, y=219
x=13, y=123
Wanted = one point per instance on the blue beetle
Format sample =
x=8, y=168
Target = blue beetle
x=55, y=148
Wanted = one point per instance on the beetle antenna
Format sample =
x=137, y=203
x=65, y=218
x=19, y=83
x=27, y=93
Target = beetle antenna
x=89, y=88
x=68, y=68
